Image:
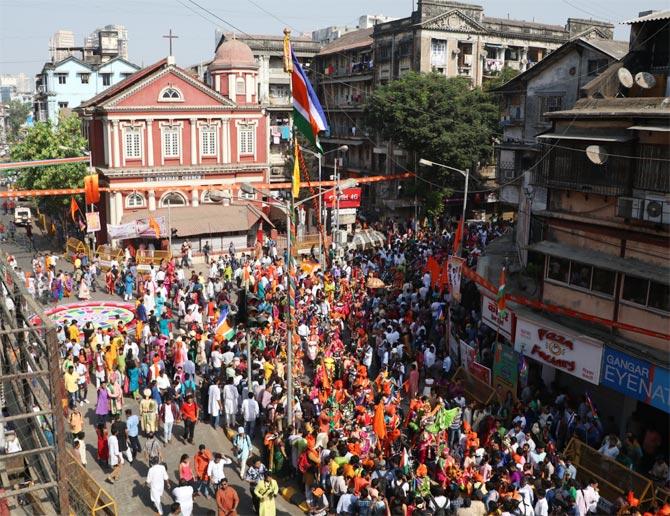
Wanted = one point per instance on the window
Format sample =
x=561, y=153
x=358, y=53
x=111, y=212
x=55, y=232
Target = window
x=84, y=77
x=581, y=275
x=558, y=269
x=62, y=105
x=646, y=293
x=170, y=94
x=133, y=143
x=208, y=141
x=240, y=86
x=135, y=200
x=62, y=78
x=171, y=142
x=173, y=199
x=596, y=66
x=125, y=75
x=511, y=54
x=106, y=79
x=247, y=139
x=551, y=103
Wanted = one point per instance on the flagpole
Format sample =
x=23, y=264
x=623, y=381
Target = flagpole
x=288, y=68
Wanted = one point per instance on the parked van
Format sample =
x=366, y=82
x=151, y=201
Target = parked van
x=23, y=216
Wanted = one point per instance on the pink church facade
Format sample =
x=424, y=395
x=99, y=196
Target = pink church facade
x=163, y=139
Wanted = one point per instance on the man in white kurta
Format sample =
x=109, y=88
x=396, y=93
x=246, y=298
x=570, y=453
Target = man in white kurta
x=156, y=478
x=214, y=403
x=231, y=398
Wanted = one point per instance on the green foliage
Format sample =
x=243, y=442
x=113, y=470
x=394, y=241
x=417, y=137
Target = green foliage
x=505, y=75
x=45, y=141
x=439, y=119
x=17, y=112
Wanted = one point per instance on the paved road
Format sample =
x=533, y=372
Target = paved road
x=131, y=492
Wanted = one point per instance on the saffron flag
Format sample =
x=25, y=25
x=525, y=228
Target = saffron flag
x=308, y=114
x=501, y=294
x=378, y=423
x=223, y=329
x=74, y=208
x=295, y=180
x=458, y=237
x=153, y=224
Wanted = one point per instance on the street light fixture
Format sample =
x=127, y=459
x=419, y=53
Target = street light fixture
x=466, y=174
x=318, y=155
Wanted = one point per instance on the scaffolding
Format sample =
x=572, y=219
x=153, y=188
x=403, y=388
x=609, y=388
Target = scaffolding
x=37, y=473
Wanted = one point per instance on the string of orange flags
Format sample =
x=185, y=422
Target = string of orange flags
x=539, y=305
x=43, y=162
x=228, y=186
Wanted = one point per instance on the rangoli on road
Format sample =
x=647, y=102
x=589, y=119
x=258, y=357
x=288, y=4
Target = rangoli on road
x=103, y=314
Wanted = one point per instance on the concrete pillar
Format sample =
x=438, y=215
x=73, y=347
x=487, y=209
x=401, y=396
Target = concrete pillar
x=150, y=142
x=194, y=142
x=117, y=143
x=152, y=200
x=118, y=200
x=195, y=199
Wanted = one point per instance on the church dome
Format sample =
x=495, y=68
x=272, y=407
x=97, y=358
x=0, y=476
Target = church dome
x=233, y=54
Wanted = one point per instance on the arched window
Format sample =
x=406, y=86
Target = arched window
x=240, y=86
x=204, y=198
x=170, y=94
x=173, y=199
x=135, y=200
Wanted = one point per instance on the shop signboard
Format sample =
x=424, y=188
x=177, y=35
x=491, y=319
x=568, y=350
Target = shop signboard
x=559, y=347
x=491, y=317
x=349, y=198
x=505, y=371
x=636, y=378
x=468, y=361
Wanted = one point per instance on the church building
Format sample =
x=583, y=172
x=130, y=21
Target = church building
x=161, y=140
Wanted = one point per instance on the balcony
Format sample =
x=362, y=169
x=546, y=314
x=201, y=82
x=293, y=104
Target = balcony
x=650, y=209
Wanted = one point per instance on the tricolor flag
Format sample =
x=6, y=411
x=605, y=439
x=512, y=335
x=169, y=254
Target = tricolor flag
x=223, y=329
x=501, y=293
x=308, y=114
x=404, y=461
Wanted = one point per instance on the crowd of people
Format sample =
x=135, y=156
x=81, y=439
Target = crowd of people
x=380, y=425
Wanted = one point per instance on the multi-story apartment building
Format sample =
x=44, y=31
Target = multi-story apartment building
x=329, y=34
x=273, y=87
x=602, y=245
x=527, y=101
x=101, y=45
x=456, y=39
x=67, y=83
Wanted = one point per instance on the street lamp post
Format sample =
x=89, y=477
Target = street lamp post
x=286, y=207
x=318, y=155
x=466, y=174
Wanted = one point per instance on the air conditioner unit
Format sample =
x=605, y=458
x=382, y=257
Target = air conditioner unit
x=656, y=210
x=629, y=207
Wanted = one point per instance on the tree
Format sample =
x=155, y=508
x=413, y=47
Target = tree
x=505, y=75
x=17, y=112
x=439, y=119
x=45, y=141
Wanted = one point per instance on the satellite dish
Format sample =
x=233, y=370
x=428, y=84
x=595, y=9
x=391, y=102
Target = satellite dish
x=625, y=77
x=645, y=80
x=597, y=154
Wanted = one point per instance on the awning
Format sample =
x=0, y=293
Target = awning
x=340, y=141
x=610, y=262
x=654, y=128
x=205, y=219
x=593, y=135
x=367, y=239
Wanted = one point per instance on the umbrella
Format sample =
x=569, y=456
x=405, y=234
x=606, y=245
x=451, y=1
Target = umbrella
x=375, y=283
